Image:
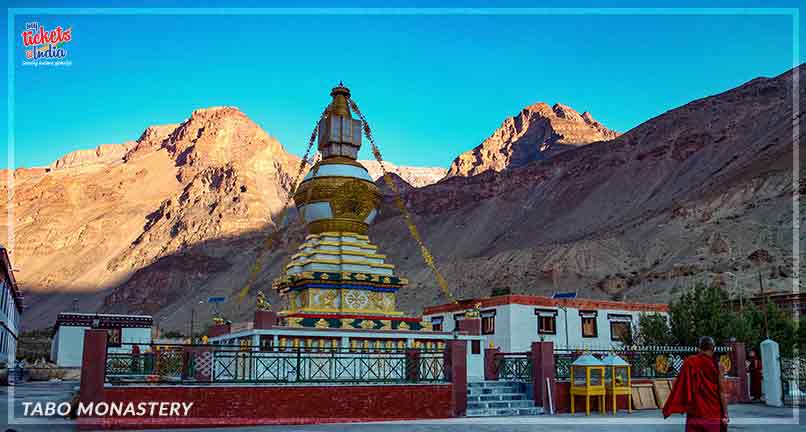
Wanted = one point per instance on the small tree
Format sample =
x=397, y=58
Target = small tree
x=699, y=312
x=782, y=328
x=702, y=312
x=652, y=329
x=747, y=325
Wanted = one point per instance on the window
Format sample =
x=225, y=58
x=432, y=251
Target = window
x=475, y=346
x=266, y=342
x=546, y=321
x=589, y=329
x=113, y=337
x=488, y=322
x=620, y=327
x=436, y=323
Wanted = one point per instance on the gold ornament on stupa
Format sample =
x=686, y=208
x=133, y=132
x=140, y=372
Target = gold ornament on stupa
x=261, y=303
x=337, y=277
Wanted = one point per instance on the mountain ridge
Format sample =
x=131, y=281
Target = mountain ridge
x=538, y=132
x=688, y=194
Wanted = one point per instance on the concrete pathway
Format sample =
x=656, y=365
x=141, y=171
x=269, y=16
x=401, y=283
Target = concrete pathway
x=745, y=418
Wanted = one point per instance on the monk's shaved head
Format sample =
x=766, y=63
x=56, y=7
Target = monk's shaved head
x=706, y=343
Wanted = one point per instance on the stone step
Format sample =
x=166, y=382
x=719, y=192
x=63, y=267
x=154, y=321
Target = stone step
x=479, y=391
x=491, y=383
x=487, y=412
x=501, y=404
x=496, y=397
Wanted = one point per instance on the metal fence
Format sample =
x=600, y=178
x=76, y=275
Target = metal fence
x=793, y=377
x=514, y=366
x=186, y=364
x=645, y=361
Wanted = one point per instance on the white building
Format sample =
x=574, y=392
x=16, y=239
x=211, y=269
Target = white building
x=10, y=310
x=67, y=347
x=513, y=322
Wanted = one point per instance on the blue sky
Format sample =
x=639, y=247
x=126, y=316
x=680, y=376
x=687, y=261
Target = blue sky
x=432, y=86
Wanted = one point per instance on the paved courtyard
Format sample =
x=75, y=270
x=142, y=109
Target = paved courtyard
x=745, y=418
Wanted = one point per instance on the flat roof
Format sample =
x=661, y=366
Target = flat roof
x=84, y=319
x=532, y=300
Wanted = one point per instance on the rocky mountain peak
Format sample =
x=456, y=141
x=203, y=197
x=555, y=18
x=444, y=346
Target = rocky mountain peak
x=413, y=176
x=217, y=136
x=156, y=133
x=539, y=131
x=104, y=153
x=566, y=112
x=150, y=140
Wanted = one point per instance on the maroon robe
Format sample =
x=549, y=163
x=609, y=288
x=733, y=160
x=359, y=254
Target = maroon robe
x=696, y=393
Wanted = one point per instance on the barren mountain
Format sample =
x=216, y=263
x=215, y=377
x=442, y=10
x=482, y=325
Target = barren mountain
x=686, y=196
x=415, y=176
x=85, y=227
x=538, y=132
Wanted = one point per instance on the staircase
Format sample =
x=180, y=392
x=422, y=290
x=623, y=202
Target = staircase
x=499, y=398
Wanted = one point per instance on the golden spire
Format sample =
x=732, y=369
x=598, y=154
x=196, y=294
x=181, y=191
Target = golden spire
x=339, y=105
x=339, y=133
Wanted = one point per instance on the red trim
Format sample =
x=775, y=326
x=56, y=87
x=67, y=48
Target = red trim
x=546, y=301
x=367, y=317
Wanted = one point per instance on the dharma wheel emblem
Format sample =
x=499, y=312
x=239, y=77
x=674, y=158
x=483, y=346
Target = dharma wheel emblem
x=724, y=363
x=353, y=200
x=661, y=364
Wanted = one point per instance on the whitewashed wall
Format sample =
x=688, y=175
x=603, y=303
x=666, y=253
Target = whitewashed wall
x=10, y=328
x=516, y=327
x=474, y=362
x=68, y=344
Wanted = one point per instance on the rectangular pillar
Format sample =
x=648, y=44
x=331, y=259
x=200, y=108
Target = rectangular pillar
x=471, y=326
x=412, y=365
x=771, y=365
x=738, y=356
x=490, y=364
x=218, y=330
x=265, y=319
x=93, y=366
x=456, y=369
x=542, y=355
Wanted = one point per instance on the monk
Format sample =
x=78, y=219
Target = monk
x=698, y=392
x=755, y=369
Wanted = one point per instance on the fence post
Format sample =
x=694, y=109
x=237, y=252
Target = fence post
x=542, y=356
x=456, y=364
x=738, y=356
x=218, y=330
x=264, y=319
x=490, y=365
x=93, y=366
x=412, y=364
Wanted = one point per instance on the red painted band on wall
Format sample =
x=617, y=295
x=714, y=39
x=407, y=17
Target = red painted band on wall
x=284, y=404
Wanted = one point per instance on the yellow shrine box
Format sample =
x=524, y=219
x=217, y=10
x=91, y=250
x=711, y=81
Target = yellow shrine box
x=617, y=380
x=587, y=379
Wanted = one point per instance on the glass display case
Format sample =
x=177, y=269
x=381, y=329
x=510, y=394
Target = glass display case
x=588, y=379
x=617, y=380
